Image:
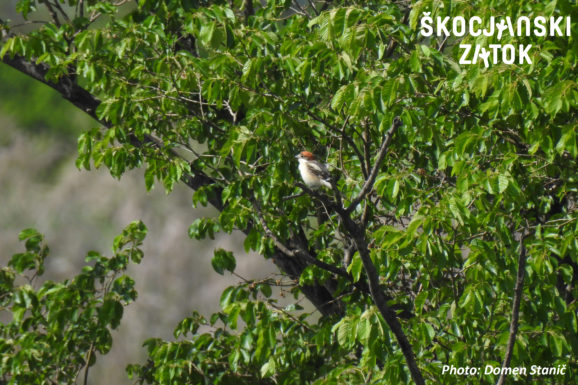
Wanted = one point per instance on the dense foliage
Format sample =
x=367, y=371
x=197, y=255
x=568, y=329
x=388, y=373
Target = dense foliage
x=57, y=328
x=450, y=239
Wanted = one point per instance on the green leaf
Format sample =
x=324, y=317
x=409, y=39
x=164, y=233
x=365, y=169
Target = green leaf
x=227, y=297
x=346, y=332
x=503, y=183
x=268, y=369
x=28, y=233
x=266, y=290
x=223, y=260
x=364, y=330
x=456, y=209
x=342, y=97
x=415, y=62
x=355, y=267
x=110, y=313
x=568, y=141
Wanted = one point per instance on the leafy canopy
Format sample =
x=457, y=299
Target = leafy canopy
x=57, y=328
x=471, y=211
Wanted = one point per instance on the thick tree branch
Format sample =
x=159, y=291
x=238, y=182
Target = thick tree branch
x=518, y=290
x=368, y=185
x=88, y=103
x=71, y=91
x=356, y=232
x=380, y=299
x=300, y=251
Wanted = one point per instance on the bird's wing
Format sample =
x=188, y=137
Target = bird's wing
x=319, y=169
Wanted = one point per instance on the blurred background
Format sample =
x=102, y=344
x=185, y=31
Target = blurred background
x=78, y=211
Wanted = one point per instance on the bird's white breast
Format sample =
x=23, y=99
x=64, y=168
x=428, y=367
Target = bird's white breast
x=309, y=178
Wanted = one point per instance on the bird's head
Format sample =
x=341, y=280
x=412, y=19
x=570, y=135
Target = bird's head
x=305, y=155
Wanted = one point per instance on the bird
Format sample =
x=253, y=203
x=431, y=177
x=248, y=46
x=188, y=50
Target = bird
x=314, y=173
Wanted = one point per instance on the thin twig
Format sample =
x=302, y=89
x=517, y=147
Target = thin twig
x=343, y=170
x=442, y=44
x=279, y=309
x=348, y=138
x=293, y=196
x=88, y=358
x=368, y=185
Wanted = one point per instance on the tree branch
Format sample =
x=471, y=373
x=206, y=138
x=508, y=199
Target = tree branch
x=53, y=14
x=518, y=290
x=299, y=251
x=356, y=232
x=87, y=366
x=393, y=43
x=368, y=185
x=71, y=91
x=249, y=10
x=326, y=5
x=379, y=298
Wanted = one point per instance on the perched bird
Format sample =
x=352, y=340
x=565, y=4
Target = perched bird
x=313, y=172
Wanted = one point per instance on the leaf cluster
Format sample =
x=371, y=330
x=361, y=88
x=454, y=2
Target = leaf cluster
x=54, y=330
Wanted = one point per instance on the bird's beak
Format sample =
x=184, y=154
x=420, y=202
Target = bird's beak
x=297, y=156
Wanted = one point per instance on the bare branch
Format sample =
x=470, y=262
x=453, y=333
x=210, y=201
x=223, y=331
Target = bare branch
x=249, y=9
x=368, y=185
x=52, y=13
x=71, y=91
x=366, y=161
x=393, y=43
x=62, y=11
x=518, y=290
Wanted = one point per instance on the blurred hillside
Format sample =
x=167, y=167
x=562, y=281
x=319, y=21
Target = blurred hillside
x=78, y=211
